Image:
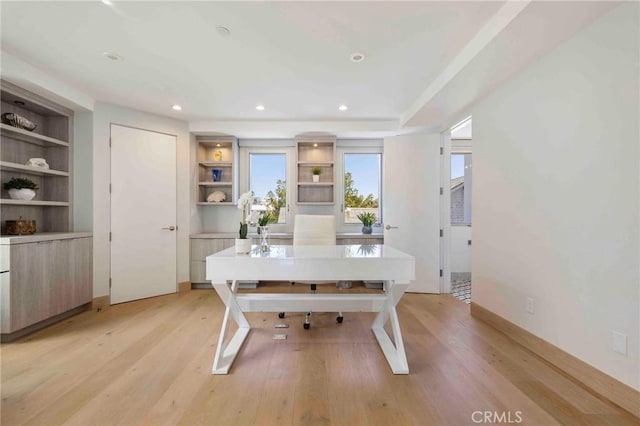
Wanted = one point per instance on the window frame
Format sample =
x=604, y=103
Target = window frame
x=245, y=179
x=341, y=152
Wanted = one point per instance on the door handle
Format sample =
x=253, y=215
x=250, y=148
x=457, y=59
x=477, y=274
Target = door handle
x=390, y=227
x=171, y=228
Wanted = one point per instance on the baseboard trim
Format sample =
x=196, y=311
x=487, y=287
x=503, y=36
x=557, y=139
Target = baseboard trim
x=101, y=303
x=184, y=286
x=10, y=337
x=604, y=385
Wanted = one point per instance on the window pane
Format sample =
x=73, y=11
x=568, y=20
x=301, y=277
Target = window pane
x=361, y=186
x=461, y=186
x=268, y=181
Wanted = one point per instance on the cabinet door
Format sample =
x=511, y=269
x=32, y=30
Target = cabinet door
x=30, y=284
x=72, y=272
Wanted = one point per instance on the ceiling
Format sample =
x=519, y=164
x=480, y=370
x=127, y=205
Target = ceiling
x=291, y=57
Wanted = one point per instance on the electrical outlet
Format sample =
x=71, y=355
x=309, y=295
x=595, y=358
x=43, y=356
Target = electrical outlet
x=619, y=342
x=529, y=305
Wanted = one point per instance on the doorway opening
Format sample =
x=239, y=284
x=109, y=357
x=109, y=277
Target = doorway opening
x=461, y=210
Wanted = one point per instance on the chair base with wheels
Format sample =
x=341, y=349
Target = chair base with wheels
x=307, y=317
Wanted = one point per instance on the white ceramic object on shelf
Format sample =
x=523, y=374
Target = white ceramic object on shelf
x=216, y=197
x=38, y=162
x=243, y=245
x=316, y=178
x=24, y=194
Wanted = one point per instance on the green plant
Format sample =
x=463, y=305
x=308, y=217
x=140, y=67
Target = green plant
x=316, y=170
x=20, y=183
x=265, y=219
x=367, y=218
x=243, y=230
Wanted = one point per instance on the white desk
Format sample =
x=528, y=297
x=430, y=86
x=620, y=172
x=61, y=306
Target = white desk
x=304, y=263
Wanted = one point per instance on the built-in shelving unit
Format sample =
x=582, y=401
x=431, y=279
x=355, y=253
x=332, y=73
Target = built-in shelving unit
x=315, y=152
x=51, y=140
x=219, y=153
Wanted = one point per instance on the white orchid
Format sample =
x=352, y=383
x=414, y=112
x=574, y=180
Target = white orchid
x=245, y=200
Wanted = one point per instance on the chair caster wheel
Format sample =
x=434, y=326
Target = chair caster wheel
x=280, y=314
x=339, y=319
x=306, y=326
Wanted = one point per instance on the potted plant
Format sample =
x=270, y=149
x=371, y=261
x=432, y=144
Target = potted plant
x=243, y=244
x=367, y=219
x=21, y=188
x=316, y=171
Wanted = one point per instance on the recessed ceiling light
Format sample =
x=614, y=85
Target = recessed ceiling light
x=223, y=31
x=343, y=108
x=356, y=57
x=260, y=107
x=107, y=2
x=315, y=145
x=112, y=56
x=177, y=107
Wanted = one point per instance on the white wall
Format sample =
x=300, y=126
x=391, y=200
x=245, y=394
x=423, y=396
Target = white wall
x=460, y=248
x=83, y=171
x=104, y=115
x=556, y=196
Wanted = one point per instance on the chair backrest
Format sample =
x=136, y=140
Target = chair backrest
x=314, y=230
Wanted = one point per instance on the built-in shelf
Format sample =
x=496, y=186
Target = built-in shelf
x=217, y=154
x=315, y=163
x=51, y=140
x=214, y=183
x=12, y=202
x=222, y=203
x=315, y=152
x=315, y=183
x=30, y=137
x=216, y=163
x=30, y=170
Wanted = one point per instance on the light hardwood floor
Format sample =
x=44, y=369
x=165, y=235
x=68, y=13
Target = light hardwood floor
x=149, y=362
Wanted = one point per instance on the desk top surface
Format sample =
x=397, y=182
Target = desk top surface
x=354, y=251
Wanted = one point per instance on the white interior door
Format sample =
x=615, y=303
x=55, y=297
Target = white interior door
x=411, y=207
x=143, y=214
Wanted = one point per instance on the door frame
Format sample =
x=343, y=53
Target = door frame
x=111, y=124
x=447, y=147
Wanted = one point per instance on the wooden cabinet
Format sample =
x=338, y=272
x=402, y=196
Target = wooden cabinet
x=217, y=169
x=51, y=140
x=200, y=249
x=315, y=153
x=45, y=279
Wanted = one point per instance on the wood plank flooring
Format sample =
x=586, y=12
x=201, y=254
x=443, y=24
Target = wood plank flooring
x=149, y=363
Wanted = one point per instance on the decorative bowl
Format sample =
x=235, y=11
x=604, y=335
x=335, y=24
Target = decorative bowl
x=18, y=121
x=24, y=194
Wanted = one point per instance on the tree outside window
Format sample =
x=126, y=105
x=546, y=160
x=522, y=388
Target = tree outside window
x=361, y=186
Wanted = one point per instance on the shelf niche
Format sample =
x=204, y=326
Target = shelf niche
x=221, y=153
x=315, y=151
x=51, y=140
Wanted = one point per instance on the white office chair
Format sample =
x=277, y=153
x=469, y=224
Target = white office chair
x=314, y=230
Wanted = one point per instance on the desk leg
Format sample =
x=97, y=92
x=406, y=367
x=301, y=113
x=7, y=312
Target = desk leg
x=225, y=355
x=395, y=354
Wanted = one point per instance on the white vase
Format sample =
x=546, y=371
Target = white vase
x=22, y=194
x=316, y=178
x=243, y=246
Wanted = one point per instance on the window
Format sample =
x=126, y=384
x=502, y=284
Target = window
x=362, y=185
x=461, y=187
x=268, y=181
